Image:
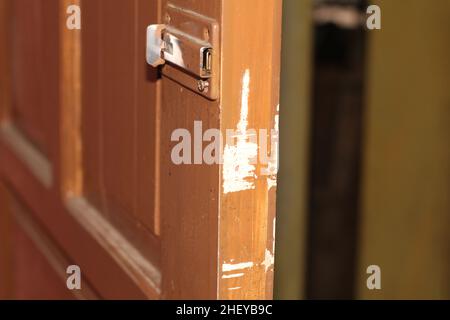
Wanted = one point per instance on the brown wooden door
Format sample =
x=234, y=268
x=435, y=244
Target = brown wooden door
x=87, y=173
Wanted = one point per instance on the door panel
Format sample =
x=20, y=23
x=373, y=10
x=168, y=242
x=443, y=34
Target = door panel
x=35, y=48
x=119, y=111
x=37, y=260
x=111, y=199
x=118, y=126
x=33, y=267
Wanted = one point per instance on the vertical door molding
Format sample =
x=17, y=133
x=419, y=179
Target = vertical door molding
x=70, y=105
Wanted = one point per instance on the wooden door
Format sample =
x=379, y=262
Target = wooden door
x=87, y=176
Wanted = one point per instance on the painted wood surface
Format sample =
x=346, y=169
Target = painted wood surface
x=137, y=225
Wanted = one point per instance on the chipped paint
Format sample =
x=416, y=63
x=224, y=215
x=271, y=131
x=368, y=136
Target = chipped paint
x=229, y=276
x=238, y=170
x=234, y=288
x=226, y=267
x=272, y=168
x=268, y=260
x=271, y=182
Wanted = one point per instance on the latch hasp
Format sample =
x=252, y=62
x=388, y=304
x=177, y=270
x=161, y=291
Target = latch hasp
x=188, y=46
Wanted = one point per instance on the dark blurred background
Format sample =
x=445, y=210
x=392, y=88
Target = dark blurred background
x=365, y=161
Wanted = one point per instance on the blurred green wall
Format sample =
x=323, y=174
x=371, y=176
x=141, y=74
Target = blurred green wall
x=405, y=206
x=294, y=138
x=405, y=209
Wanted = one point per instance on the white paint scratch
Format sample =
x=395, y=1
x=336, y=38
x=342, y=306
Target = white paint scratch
x=272, y=168
x=226, y=267
x=234, y=288
x=268, y=260
x=271, y=182
x=229, y=276
x=243, y=123
x=238, y=170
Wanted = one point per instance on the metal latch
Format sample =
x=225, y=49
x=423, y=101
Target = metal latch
x=193, y=55
x=188, y=47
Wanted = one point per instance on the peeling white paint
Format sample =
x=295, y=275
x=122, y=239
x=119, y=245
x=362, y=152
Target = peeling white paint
x=229, y=276
x=243, y=123
x=268, y=260
x=226, y=267
x=234, y=288
x=272, y=168
x=238, y=170
x=271, y=182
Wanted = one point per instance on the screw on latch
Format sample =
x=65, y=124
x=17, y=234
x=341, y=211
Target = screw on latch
x=202, y=85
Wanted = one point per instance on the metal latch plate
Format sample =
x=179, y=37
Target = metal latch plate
x=189, y=48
